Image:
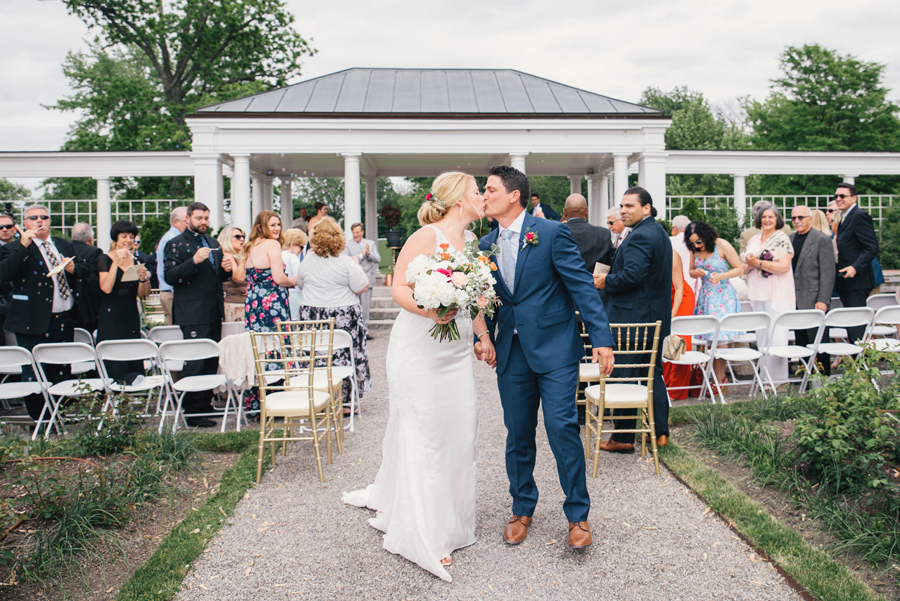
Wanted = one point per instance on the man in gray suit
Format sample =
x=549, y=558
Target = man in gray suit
x=814, y=273
x=365, y=252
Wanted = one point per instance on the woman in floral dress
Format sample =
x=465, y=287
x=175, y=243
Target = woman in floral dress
x=267, y=284
x=715, y=261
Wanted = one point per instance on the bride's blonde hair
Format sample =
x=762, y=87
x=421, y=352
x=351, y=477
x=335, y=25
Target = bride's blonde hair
x=445, y=191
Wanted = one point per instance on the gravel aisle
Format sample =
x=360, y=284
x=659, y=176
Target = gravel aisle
x=292, y=538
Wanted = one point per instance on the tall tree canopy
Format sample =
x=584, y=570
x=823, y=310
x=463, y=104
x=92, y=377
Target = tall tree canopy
x=156, y=61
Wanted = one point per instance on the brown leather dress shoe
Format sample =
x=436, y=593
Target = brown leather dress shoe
x=662, y=440
x=579, y=535
x=611, y=446
x=516, y=529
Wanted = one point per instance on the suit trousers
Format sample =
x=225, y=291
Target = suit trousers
x=522, y=391
x=200, y=402
x=854, y=298
x=805, y=337
x=60, y=330
x=660, y=397
x=166, y=298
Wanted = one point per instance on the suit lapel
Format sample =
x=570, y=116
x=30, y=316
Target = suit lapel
x=490, y=240
x=807, y=248
x=38, y=256
x=524, y=249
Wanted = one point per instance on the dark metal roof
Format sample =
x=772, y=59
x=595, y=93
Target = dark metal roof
x=430, y=93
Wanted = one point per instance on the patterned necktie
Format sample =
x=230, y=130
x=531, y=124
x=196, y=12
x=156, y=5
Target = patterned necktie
x=61, y=282
x=508, y=241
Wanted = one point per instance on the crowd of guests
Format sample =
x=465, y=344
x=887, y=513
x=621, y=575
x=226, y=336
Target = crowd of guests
x=261, y=277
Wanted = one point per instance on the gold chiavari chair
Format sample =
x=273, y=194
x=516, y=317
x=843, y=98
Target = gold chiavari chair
x=286, y=374
x=636, y=349
x=588, y=373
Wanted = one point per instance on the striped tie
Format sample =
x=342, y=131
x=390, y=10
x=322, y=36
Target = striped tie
x=61, y=282
x=508, y=242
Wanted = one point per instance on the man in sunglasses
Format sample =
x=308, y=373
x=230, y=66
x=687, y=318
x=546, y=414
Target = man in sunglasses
x=7, y=235
x=857, y=245
x=42, y=309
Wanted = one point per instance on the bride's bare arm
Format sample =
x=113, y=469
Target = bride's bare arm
x=420, y=243
x=485, y=350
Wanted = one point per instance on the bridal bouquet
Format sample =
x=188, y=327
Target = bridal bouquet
x=454, y=280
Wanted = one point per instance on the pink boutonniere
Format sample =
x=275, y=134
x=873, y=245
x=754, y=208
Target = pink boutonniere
x=531, y=239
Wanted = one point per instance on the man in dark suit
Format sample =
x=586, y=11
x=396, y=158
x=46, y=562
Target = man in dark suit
x=813, y=273
x=542, y=210
x=594, y=242
x=8, y=231
x=42, y=309
x=857, y=245
x=89, y=289
x=195, y=268
x=639, y=290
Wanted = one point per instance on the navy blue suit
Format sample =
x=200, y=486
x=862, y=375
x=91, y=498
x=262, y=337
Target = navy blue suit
x=857, y=246
x=538, y=365
x=639, y=290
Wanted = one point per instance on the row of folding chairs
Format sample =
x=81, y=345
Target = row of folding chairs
x=753, y=325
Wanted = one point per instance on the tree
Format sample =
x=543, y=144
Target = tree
x=12, y=191
x=154, y=63
x=827, y=102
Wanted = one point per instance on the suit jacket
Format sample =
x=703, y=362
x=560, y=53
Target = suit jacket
x=198, y=294
x=550, y=282
x=31, y=304
x=857, y=245
x=548, y=212
x=369, y=261
x=814, y=276
x=594, y=242
x=89, y=287
x=639, y=284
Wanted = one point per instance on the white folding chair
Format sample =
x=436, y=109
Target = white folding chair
x=695, y=325
x=846, y=317
x=343, y=340
x=62, y=353
x=887, y=317
x=232, y=327
x=804, y=319
x=751, y=323
x=192, y=350
x=877, y=301
x=12, y=360
x=161, y=334
x=85, y=337
x=129, y=350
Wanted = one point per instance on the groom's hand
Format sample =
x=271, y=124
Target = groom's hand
x=604, y=355
x=486, y=354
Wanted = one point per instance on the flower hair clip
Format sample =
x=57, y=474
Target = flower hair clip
x=431, y=197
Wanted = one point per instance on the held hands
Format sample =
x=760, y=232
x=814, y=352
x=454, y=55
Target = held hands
x=201, y=255
x=604, y=355
x=484, y=351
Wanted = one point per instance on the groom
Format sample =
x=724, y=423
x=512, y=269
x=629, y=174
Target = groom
x=542, y=279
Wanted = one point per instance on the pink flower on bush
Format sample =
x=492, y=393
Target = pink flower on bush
x=459, y=279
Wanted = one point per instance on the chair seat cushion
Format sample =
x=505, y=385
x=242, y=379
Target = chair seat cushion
x=619, y=394
x=294, y=403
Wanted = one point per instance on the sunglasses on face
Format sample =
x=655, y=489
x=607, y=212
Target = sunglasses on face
x=841, y=196
x=36, y=217
x=7, y=227
x=238, y=236
x=829, y=210
x=800, y=218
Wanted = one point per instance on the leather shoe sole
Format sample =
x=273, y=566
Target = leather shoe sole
x=200, y=422
x=579, y=535
x=611, y=446
x=516, y=529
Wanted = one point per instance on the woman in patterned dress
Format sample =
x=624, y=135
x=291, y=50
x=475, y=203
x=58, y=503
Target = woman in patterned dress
x=715, y=261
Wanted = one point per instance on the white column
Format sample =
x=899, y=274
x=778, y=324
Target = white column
x=740, y=196
x=620, y=176
x=591, y=196
x=257, y=196
x=653, y=179
x=517, y=160
x=352, y=207
x=371, y=208
x=208, y=187
x=603, y=205
x=241, y=213
x=287, y=203
x=104, y=213
x=575, y=184
x=268, y=193
x=848, y=179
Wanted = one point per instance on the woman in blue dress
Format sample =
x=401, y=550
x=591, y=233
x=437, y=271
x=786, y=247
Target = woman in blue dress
x=715, y=261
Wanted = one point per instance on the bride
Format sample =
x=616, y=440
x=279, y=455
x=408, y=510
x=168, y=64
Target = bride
x=424, y=493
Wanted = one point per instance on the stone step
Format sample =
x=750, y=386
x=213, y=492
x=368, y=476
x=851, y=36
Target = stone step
x=390, y=313
x=381, y=325
x=383, y=303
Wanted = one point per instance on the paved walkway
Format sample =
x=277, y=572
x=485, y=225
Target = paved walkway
x=292, y=538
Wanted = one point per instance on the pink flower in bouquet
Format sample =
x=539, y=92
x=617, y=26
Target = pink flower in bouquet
x=445, y=272
x=482, y=302
x=459, y=279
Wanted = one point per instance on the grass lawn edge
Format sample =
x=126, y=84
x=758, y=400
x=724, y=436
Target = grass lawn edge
x=812, y=569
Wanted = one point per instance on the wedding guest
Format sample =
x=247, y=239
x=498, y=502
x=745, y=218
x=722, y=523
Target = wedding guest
x=679, y=376
x=41, y=309
x=770, y=283
x=178, y=222
x=714, y=261
x=321, y=213
x=617, y=226
x=232, y=241
x=331, y=283
x=820, y=221
x=679, y=224
x=195, y=266
x=857, y=246
x=301, y=222
x=539, y=209
x=364, y=252
x=293, y=254
x=119, y=315
x=88, y=288
x=8, y=231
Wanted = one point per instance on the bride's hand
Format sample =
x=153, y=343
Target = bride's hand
x=488, y=353
x=447, y=318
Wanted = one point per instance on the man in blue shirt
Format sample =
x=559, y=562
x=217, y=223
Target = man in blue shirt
x=179, y=222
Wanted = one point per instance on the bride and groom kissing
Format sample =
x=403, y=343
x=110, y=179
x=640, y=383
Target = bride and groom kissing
x=424, y=492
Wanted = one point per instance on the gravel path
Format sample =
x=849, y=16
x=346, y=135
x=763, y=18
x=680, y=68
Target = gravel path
x=293, y=538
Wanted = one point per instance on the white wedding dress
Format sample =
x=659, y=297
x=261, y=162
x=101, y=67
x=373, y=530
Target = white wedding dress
x=424, y=493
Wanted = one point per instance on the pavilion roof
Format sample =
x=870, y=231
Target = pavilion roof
x=430, y=93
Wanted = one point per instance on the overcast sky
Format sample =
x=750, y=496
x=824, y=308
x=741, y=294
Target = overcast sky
x=722, y=48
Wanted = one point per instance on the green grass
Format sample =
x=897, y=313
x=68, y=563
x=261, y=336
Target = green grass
x=813, y=569
x=160, y=577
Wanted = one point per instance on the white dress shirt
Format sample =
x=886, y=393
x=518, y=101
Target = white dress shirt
x=60, y=304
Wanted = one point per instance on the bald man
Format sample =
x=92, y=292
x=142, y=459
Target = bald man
x=594, y=242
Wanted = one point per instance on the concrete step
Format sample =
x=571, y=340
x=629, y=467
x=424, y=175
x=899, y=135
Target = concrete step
x=383, y=303
x=390, y=313
x=381, y=325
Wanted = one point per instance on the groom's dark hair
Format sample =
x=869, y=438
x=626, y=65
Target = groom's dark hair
x=513, y=179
